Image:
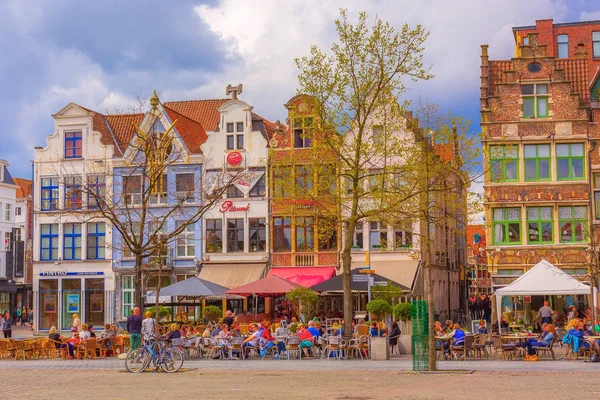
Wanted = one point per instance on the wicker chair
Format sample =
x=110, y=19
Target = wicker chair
x=505, y=350
x=86, y=349
x=54, y=348
x=22, y=349
x=480, y=345
x=4, y=345
x=463, y=350
x=101, y=347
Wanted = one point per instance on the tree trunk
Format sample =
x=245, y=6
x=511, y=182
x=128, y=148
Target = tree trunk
x=431, y=340
x=347, y=286
x=138, y=282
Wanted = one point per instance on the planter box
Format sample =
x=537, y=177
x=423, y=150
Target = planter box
x=379, y=349
x=405, y=344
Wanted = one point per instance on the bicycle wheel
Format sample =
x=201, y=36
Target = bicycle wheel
x=137, y=361
x=172, y=359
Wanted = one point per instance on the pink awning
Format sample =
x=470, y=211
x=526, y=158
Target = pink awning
x=304, y=276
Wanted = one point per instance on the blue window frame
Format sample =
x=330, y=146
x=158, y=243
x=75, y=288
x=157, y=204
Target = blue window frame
x=73, y=144
x=49, y=242
x=96, y=232
x=49, y=193
x=73, y=192
x=96, y=190
x=72, y=242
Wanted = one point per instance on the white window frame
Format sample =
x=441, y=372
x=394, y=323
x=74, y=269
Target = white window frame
x=186, y=241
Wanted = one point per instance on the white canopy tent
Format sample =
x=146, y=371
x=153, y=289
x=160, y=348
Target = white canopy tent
x=544, y=279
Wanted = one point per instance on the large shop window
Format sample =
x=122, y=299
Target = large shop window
x=94, y=301
x=305, y=234
x=282, y=232
x=49, y=242
x=214, y=236
x=71, y=301
x=73, y=144
x=186, y=246
x=73, y=192
x=49, y=194
x=570, y=161
x=504, y=163
x=127, y=294
x=96, y=240
x=537, y=162
x=48, y=303
x=507, y=225
x=573, y=224
x=258, y=234
x=72, y=242
x=539, y=225
x=235, y=235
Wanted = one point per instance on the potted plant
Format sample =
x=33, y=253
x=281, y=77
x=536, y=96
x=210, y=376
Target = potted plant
x=163, y=312
x=212, y=313
x=378, y=309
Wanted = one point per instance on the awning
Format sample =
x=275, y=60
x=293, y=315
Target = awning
x=232, y=275
x=404, y=272
x=358, y=282
x=6, y=287
x=304, y=276
x=271, y=286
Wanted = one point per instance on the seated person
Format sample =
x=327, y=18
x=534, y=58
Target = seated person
x=449, y=326
x=382, y=329
x=305, y=337
x=481, y=329
x=335, y=330
x=91, y=331
x=361, y=326
x=174, y=333
x=373, y=330
x=314, y=331
x=549, y=333
x=107, y=333
x=53, y=335
x=266, y=339
x=229, y=318
x=458, y=336
x=252, y=340
x=437, y=326
x=85, y=333
x=206, y=332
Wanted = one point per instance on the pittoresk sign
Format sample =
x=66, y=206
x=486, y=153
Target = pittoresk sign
x=228, y=206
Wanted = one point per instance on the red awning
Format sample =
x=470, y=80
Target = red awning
x=271, y=286
x=305, y=276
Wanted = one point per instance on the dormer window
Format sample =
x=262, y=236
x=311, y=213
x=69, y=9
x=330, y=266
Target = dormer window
x=73, y=144
x=535, y=100
x=235, y=140
x=302, y=134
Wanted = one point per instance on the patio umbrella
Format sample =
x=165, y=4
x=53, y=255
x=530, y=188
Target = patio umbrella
x=271, y=286
x=335, y=284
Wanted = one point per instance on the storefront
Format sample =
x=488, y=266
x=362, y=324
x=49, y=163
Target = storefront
x=60, y=293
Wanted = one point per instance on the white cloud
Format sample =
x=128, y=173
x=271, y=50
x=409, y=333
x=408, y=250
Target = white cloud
x=589, y=16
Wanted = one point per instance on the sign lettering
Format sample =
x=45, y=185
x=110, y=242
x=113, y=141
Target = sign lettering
x=234, y=158
x=228, y=206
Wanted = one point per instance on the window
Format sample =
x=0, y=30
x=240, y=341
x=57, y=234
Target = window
x=49, y=193
x=302, y=132
x=507, y=225
x=378, y=235
x=526, y=41
x=133, y=233
x=326, y=179
x=160, y=194
x=596, y=182
x=259, y=189
x=375, y=179
x=128, y=291
x=573, y=223
x=534, y=67
x=132, y=188
x=17, y=211
x=596, y=44
x=214, y=236
x=239, y=127
x=96, y=190
x=563, y=46
x=535, y=100
x=305, y=234
x=239, y=139
x=72, y=192
x=8, y=212
x=49, y=242
x=233, y=192
x=537, y=162
x=281, y=181
x=403, y=235
x=184, y=187
x=229, y=127
x=504, y=163
x=282, y=232
x=158, y=237
x=235, y=235
x=186, y=241
x=357, y=239
x=377, y=134
x=539, y=225
x=72, y=244
x=327, y=234
x=304, y=179
x=230, y=145
x=96, y=232
x=73, y=144
x=18, y=234
x=7, y=245
x=570, y=161
x=258, y=234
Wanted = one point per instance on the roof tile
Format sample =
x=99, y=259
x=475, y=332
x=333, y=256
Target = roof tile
x=203, y=111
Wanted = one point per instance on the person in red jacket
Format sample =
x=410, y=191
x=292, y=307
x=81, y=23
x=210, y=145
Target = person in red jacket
x=305, y=337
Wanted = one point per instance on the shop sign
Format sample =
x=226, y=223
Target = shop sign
x=234, y=158
x=66, y=273
x=527, y=299
x=228, y=206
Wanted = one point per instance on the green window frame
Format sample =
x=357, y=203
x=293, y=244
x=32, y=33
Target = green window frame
x=572, y=222
x=540, y=225
x=504, y=162
x=570, y=161
x=537, y=162
x=507, y=225
x=535, y=100
x=596, y=186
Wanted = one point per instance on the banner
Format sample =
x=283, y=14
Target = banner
x=72, y=303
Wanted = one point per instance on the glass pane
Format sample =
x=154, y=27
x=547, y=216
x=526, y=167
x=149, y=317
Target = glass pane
x=530, y=169
x=528, y=107
x=534, y=235
x=577, y=168
x=563, y=168
x=542, y=107
x=597, y=204
x=580, y=231
x=511, y=170
x=499, y=233
x=527, y=89
x=532, y=213
x=546, y=213
x=597, y=48
x=543, y=150
x=547, y=232
x=498, y=214
x=597, y=181
x=514, y=234
x=596, y=35
x=511, y=151
x=541, y=89
x=564, y=212
x=562, y=150
x=577, y=149
x=580, y=212
x=544, y=169
x=497, y=171
x=562, y=38
x=530, y=151
x=563, y=50
x=513, y=214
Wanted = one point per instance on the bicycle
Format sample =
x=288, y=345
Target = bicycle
x=167, y=358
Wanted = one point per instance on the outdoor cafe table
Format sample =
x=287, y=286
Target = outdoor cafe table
x=518, y=338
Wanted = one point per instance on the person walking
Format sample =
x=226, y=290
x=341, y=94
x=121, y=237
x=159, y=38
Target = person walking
x=19, y=314
x=76, y=325
x=134, y=327
x=148, y=327
x=545, y=313
x=7, y=328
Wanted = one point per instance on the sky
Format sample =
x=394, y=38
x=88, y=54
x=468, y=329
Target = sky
x=104, y=54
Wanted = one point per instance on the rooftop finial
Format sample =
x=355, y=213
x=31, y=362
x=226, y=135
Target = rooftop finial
x=154, y=100
x=234, y=91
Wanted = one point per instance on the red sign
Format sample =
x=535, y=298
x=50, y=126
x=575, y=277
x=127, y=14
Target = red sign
x=228, y=206
x=234, y=158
